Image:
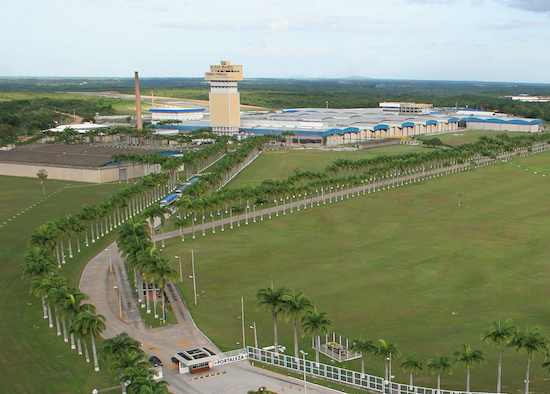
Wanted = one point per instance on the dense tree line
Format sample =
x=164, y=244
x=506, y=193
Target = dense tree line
x=29, y=115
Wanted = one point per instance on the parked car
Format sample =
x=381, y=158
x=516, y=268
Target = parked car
x=155, y=361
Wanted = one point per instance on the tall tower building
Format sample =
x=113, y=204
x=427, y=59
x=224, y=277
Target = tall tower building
x=225, y=110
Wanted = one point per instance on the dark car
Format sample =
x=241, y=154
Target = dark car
x=155, y=361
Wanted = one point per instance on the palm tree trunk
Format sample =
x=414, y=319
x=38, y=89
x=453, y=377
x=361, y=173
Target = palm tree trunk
x=57, y=322
x=468, y=380
x=94, y=353
x=44, y=309
x=87, y=354
x=275, y=333
x=65, y=339
x=438, y=383
x=527, y=376
x=50, y=321
x=295, y=338
x=499, y=372
x=155, y=301
x=70, y=246
x=411, y=379
x=148, y=297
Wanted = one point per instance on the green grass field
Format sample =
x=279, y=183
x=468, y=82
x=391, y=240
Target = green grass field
x=406, y=265
x=279, y=164
x=394, y=265
x=34, y=360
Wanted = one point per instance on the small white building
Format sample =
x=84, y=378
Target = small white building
x=176, y=113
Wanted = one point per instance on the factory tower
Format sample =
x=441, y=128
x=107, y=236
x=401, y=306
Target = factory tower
x=225, y=111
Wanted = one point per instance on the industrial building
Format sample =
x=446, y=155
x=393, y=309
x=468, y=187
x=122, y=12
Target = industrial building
x=332, y=127
x=75, y=163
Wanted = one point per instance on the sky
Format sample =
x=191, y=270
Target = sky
x=483, y=40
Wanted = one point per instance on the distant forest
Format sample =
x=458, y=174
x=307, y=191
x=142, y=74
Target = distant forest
x=29, y=104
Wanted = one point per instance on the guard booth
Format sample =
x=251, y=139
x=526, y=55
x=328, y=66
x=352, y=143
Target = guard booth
x=195, y=360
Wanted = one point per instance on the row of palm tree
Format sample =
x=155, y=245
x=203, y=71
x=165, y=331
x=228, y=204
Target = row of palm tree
x=130, y=363
x=502, y=334
x=343, y=176
x=94, y=221
x=73, y=317
x=296, y=306
x=281, y=302
x=149, y=268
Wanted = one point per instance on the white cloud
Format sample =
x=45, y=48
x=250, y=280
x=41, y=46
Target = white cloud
x=530, y=5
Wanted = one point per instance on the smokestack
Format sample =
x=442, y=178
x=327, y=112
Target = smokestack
x=138, y=103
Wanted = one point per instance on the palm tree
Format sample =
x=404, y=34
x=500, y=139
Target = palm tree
x=315, y=323
x=411, y=364
x=365, y=347
x=388, y=352
x=273, y=302
x=469, y=358
x=138, y=376
x=440, y=365
x=115, y=346
x=89, y=323
x=294, y=306
x=161, y=273
x=533, y=342
x=153, y=387
x=126, y=358
x=71, y=306
x=37, y=264
x=500, y=334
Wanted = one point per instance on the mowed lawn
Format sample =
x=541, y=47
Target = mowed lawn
x=34, y=360
x=406, y=265
x=279, y=164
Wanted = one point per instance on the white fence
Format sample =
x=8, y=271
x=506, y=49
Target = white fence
x=340, y=375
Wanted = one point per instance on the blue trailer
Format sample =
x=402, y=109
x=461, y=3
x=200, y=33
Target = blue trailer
x=169, y=199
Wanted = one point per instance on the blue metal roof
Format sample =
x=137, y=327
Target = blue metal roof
x=503, y=121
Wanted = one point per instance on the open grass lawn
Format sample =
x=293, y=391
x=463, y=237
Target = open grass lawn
x=279, y=164
x=406, y=265
x=34, y=360
x=468, y=136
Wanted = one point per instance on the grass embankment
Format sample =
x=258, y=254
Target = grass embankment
x=34, y=360
x=406, y=265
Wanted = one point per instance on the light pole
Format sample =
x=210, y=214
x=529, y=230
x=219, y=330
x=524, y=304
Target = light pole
x=119, y=301
x=305, y=378
x=255, y=335
x=181, y=272
x=110, y=261
x=194, y=276
x=242, y=321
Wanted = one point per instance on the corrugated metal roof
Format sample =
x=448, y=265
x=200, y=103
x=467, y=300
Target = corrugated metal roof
x=66, y=155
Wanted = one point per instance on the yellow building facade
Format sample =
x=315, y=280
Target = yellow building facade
x=225, y=100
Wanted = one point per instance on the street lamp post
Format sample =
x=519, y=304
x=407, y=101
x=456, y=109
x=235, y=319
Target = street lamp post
x=305, y=377
x=119, y=301
x=255, y=335
x=194, y=276
x=242, y=321
x=110, y=261
x=181, y=272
